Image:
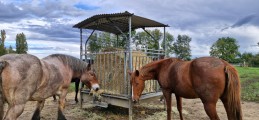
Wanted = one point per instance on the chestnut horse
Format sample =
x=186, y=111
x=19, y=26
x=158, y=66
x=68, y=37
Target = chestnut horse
x=207, y=78
x=24, y=77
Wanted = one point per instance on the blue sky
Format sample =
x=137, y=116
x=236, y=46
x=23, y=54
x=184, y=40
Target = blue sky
x=47, y=24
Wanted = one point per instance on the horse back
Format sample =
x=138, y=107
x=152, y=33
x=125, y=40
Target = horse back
x=22, y=73
x=208, y=76
x=21, y=66
x=180, y=80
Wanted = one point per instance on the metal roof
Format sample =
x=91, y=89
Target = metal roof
x=111, y=22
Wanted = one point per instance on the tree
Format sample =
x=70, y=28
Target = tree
x=3, y=36
x=225, y=48
x=182, y=47
x=246, y=58
x=94, y=43
x=21, y=44
x=2, y=41
x=255, y=60
x=140, y=40
x=154, y=43
x=168, y=48
x=10, y=50
x=104, y=40
x=143, y=39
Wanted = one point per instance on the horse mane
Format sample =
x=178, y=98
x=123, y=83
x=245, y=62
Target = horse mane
x=74, y=63
x=152, y=65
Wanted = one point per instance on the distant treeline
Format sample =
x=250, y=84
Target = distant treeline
x=226, y=48
x=21, y=44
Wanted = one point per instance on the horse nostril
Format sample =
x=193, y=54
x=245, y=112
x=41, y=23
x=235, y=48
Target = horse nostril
x=134, y=101
x=96, y=89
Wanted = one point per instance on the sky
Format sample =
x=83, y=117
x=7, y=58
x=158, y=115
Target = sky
x=47, y=24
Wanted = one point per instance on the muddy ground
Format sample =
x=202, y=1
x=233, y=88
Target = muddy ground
x=152, y=110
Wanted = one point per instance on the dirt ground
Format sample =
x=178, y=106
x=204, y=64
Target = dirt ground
x=152, y=110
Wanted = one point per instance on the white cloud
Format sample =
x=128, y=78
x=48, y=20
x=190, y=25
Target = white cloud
x=45, y=48
x=52, y=21
x=247, y=36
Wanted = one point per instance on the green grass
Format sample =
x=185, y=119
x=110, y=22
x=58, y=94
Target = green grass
x=249, y=77
x=72, y=87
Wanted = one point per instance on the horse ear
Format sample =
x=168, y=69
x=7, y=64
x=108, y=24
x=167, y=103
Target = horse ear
x=88, y=67
x=137, y=73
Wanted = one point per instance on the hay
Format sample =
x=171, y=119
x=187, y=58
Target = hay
x=110, y=70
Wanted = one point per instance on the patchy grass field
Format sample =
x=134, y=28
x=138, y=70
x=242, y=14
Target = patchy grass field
x=249, y=77
x=154, y=109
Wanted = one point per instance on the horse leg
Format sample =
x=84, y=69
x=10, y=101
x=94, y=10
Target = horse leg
x=1, y=103
x=62, y=101
x=225, y=103
x=14, y=111
x=210, y=108
x=36, y=114
x=77, y=82
x=17, y=100
x=179, y=105
x=168, y=98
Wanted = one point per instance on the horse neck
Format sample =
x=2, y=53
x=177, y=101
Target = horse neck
x=150, y=71
x=76, y=74
x=153, y=70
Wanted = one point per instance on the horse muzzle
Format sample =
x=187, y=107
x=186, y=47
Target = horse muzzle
x=95, y=87
x=135, y=100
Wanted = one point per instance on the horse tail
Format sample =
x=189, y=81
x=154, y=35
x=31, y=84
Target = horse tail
x=2, y=65
x=233, y=93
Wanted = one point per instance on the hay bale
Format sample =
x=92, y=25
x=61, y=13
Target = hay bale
x=110, y=70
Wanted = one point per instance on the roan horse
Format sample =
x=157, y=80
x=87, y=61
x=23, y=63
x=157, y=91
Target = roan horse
x=207, y=78
x=77, y=82
x=25, y=78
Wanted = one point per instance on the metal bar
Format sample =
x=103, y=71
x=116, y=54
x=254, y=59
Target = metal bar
x=114, y=68
x=86, y=44
x=151, y=49
x=145, y=52
x=104, y=72
x=110, y=72
x=149, y=34
x=165, y=44
x=121, y=66
x=125, y=72
x=97, y=65
x=101, y=67
x=81, y=42
x=117, y=44
x=81, y=50
x=130, y=67
x=113, y=24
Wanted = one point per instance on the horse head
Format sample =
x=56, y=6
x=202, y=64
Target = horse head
x=137, y=84
x=89, y=78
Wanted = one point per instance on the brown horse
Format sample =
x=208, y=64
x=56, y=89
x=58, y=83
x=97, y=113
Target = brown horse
x=207, y=78
x=25, y=78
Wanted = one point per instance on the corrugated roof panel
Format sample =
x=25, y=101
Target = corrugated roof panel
x=107, y=22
